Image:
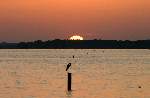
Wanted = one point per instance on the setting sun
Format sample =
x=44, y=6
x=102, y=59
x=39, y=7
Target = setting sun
x=76, y=37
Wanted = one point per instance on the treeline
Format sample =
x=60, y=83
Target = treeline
x=78, y=44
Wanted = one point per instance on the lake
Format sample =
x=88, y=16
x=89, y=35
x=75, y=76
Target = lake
x=96, y=73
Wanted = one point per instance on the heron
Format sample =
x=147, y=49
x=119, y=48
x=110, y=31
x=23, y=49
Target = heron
x=68, y=66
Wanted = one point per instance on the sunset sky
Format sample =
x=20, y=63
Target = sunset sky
x=27, y=20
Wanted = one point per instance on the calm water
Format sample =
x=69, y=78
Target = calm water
x=96, y=73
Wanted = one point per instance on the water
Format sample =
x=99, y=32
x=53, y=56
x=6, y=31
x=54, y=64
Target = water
x=97, y=73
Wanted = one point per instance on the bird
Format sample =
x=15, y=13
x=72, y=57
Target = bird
x=68, y=66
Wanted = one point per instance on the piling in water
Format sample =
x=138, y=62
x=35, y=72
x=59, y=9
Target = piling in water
x=69, y=81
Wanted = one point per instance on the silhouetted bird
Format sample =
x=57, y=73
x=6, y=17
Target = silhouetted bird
x=68, y=66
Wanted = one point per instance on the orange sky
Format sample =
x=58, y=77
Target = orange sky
x=22, y=20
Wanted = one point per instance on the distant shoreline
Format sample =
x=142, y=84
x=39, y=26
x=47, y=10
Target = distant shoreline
x=78, y=44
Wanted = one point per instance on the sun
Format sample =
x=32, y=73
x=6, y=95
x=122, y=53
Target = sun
x=76, y=37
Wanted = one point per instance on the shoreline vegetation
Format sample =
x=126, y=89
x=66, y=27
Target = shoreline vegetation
x=78, y=44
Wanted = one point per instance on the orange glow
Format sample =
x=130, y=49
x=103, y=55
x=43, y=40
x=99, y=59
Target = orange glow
x=100, y=19
x=76, y=37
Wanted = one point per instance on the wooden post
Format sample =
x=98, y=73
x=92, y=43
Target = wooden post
x=69, y=77
x=69, y=81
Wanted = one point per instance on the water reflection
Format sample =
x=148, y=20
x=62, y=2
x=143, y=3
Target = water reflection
x=41, y=73
x=69, y=94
